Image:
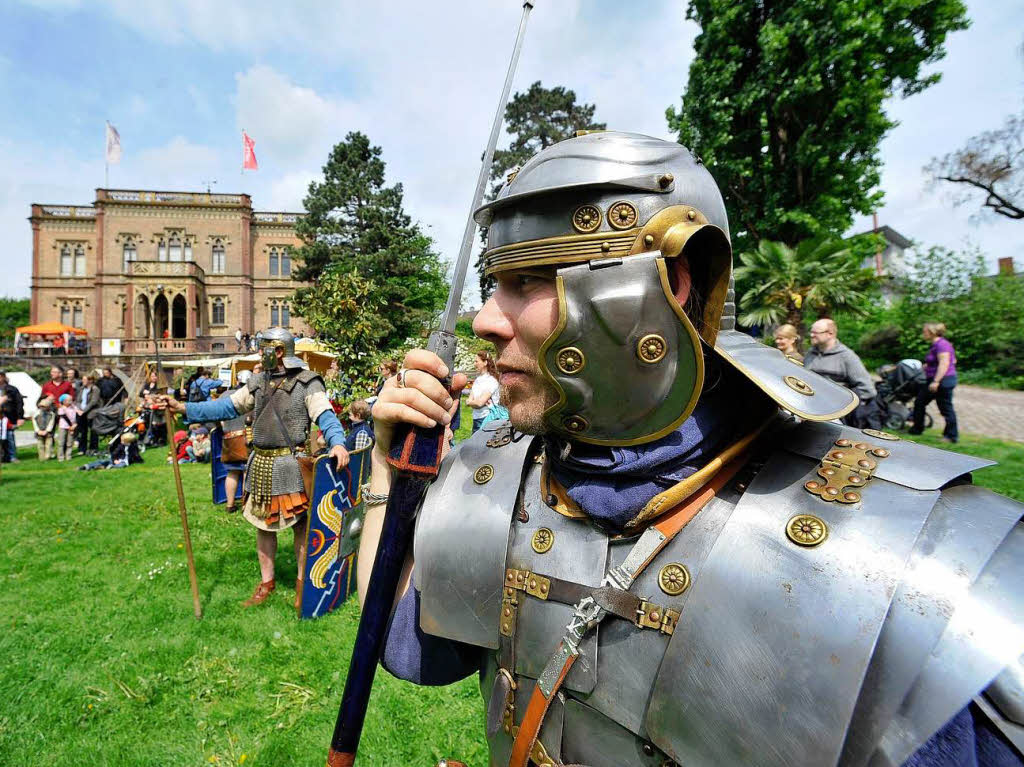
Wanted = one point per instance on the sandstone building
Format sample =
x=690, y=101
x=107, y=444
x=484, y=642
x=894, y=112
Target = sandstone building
x=195, y=264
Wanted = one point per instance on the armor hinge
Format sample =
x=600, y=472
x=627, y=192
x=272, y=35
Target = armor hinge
x=538, y=754
x=502, y=436
x=846, y=468
x=533, y=584
x=652, y=616
x=509, y=610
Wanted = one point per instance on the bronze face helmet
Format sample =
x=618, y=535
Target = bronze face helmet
x=606, y=210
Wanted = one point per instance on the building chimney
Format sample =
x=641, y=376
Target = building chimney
x=1006, y=265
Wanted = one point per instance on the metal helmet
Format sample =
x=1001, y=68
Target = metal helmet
x=606, y=210
x=274, y=338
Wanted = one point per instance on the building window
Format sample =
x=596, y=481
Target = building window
x=79, y=262
x=188, y=250
x=161, y=250
x=217, y=260
x=65, y=315
x=286, y=263
x=273, y=265
x=65, y=262
x=129, y=254
x=217, y=347
x=174, y=248
x=76, y=316
x=280, y=314
x=217, y=312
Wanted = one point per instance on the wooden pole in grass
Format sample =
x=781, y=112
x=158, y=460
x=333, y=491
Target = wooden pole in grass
x=171, y=419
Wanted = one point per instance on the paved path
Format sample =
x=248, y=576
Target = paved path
x=989, y=412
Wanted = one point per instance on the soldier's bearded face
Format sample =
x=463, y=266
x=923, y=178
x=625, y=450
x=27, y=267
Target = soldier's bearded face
x=522, y=312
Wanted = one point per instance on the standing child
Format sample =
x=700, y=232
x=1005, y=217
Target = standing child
x=66, y=423
x=45, y=423
x=361, y=435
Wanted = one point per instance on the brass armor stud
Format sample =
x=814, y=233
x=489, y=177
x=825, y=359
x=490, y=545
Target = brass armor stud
x=484, y=474
x=798, y=385
x=576, y=424
x=806, y=530
x=674, y=578
x=691, y=214
x=622, y=215
x=648, y=240
x=666, y=180
x=651, y=349
x=880, y=434
x=586, y=218
x=570, y=360
x=543, y=540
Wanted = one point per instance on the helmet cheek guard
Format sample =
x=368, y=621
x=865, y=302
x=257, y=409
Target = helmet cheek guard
x=625, y=358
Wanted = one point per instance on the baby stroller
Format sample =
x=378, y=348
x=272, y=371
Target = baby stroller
x=124, y=448
x=897, y=390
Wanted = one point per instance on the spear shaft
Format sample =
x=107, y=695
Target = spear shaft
x=416, y=456
x=169, y=416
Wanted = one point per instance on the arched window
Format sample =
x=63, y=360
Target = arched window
x=79, y=261
x=274, y=269
x=217, y=311
x=217, y=257
x=286, y=262
x=174, y=248
x=280, y=314
x=161, y=250
x=65, y=262
x=188, y=250
x=76, y=316
x=129, y=254
x=65, y=314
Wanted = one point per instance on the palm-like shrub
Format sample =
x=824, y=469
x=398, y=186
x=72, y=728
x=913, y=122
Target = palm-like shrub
x=779, y=283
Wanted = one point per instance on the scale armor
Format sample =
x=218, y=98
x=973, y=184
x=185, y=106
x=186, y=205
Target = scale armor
x=851, y=652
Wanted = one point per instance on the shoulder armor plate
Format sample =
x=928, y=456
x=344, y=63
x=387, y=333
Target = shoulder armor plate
x=909, y=464
x=984, y=635
x=462, y=539
x=798, y=390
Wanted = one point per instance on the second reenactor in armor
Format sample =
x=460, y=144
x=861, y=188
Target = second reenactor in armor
x=673, y=554
x=285, y=399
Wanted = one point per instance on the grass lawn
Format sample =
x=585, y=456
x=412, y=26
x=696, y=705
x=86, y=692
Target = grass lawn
x=105, y=665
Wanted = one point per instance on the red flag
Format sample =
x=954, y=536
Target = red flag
x=248, y=153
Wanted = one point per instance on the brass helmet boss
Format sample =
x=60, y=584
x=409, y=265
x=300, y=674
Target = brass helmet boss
x=605, y=210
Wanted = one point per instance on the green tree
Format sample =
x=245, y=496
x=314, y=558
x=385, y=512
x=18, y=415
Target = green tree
x=820, y=275
x=345, y=310
x=14, y=312
x=354, y=223
x=784, y=102
x=536, y=119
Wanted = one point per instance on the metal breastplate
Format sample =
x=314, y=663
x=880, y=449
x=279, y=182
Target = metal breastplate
x=850, y=652
x=290, y=401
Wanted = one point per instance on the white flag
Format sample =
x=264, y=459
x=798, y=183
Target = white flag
x=113, y=145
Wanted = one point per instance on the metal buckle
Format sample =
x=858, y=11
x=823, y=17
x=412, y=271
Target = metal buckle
x=652, y=616
x=847, y=467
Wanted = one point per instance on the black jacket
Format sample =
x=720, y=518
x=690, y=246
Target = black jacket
x=111, y=389
x=14, y=407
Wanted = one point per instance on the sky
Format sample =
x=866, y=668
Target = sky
x=180, y=80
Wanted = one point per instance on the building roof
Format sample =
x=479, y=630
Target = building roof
x=891, y=236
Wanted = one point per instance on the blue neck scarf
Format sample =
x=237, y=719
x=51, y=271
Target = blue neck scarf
x=613, y=484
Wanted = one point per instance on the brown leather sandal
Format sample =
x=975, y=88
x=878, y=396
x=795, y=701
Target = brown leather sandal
x=259, y=596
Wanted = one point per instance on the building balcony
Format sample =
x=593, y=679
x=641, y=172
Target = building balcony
x=168, y=269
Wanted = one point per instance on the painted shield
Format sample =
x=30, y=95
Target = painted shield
x=335, y=522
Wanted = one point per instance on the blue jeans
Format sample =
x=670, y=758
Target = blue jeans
x=12, y=445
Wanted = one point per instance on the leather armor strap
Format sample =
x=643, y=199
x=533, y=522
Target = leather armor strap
x=589, y=612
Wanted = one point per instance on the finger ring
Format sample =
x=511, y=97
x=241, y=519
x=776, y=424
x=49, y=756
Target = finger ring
x=400, y=378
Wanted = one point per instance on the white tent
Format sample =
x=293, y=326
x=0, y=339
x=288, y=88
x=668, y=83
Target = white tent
x=30, y=390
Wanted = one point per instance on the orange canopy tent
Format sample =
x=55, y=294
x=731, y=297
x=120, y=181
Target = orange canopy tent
x=47, y=330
